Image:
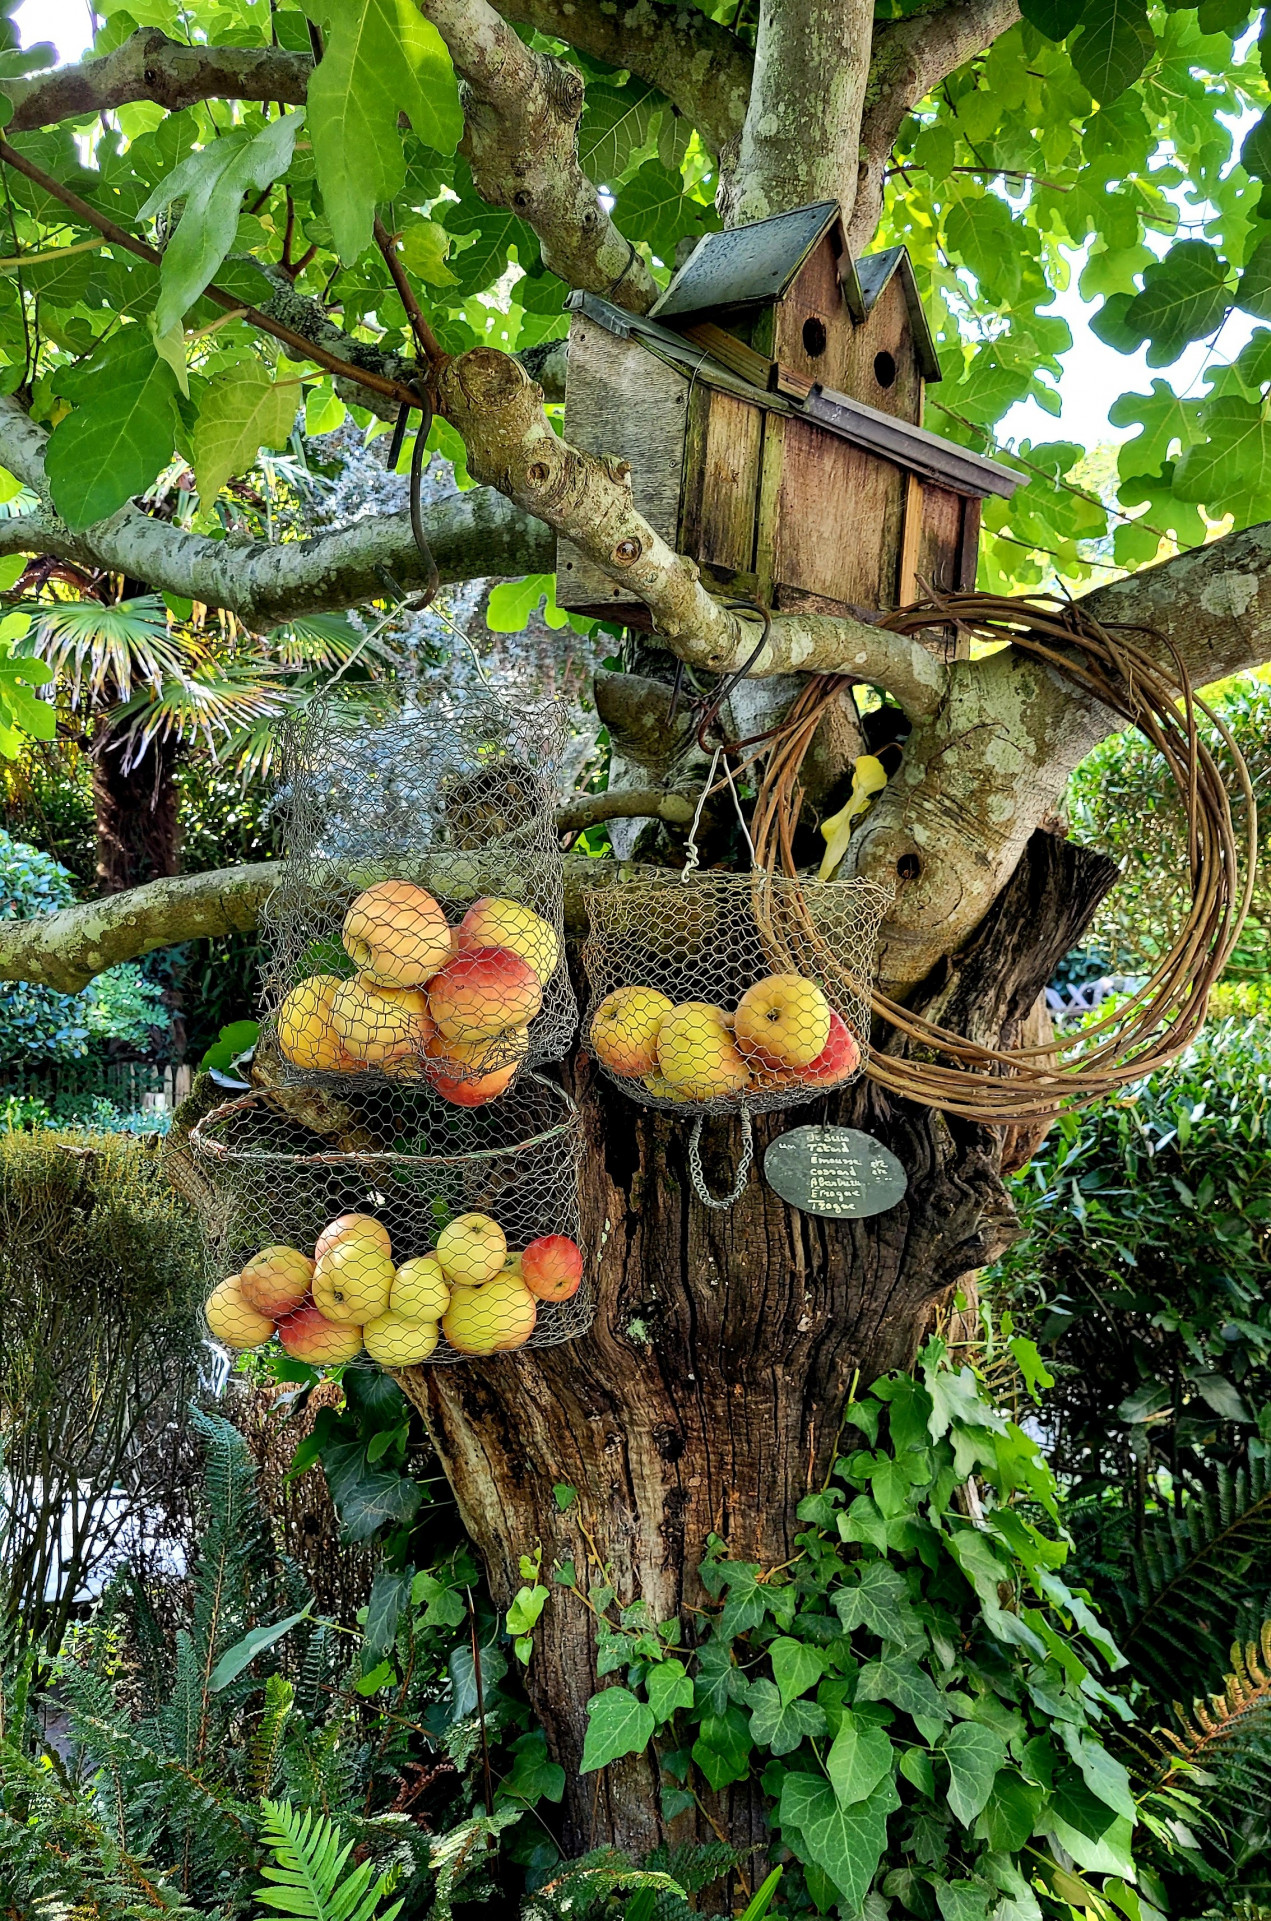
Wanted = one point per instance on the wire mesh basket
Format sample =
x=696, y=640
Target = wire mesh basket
x=386, y=1227
x=418, y=933
x=725, y=993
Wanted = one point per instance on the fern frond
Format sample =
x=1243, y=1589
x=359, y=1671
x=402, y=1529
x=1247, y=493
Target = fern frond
x=310, y=1856
x=266, y=1743
x=1215, y=1765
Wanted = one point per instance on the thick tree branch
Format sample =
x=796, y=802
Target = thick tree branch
x=801, y=135
x=150, y=66
x=521, y=113
x=910, y=57
x=703, y=70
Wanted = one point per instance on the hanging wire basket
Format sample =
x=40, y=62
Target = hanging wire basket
x=717, y=993
x=387, y=1228
x=418, y=932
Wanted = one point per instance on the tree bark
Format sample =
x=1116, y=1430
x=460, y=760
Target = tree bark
x=708, y=1396
x=135, y=801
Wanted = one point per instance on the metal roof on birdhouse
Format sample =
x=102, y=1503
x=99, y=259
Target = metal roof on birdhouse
x=746, y=266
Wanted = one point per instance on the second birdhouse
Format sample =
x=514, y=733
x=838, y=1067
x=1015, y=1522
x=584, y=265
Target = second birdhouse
x=770, y=407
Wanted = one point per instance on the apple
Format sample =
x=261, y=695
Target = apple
x=552, y=1267
x=381, y=1026
x=276, y=1280
x=352, y=1282
x=490, y=1319
x=365, y=1226
x=782, y=1021
x=232, y=1320
x=470, y=1073
x=394, y=1340
x=420, y=1290
x=306, y=1036
x=659, y=1085
x=396, y=934
x=482, y=991
x=697, y=1053
x=625, y=1028
x=471, y=1249
x=307, y=1335
x=509, y=923
x=512, y=1265
x=837, y=1061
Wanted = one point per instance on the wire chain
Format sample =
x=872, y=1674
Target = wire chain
x=700, y=1188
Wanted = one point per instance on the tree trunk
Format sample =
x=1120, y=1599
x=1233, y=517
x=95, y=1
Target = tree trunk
x=135, y=801
x=708, y=1396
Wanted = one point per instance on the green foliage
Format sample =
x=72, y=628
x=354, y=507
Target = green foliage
x=917, y=1692
x=120, y=432
x=244, y=411
x=309, y=1881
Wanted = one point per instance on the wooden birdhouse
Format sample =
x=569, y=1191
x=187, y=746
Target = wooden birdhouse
x=770, y=406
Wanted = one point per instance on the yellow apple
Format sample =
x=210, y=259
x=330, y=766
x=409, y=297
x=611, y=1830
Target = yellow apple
x=306, y=1036
x=345, y=1227
x=490, y=1319
x=659, y=1085
x=471, y=1249
x=420, y=1291
x=625, y=1028
x=276, y=1280
x=511, y=924
x=394, y=1340
x=307, y=1335
x=352, y=1283
x=782, y=1021
x=233, y=1320
x=396, y=934
x=697, y=1053
x=381, y=1026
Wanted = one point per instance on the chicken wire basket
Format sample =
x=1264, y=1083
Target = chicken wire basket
x=418, y=934
x=721, y=993
x=387, y=1228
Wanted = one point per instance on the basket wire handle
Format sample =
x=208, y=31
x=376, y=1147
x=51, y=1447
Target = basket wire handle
x=691, y=857
x=700, y=1188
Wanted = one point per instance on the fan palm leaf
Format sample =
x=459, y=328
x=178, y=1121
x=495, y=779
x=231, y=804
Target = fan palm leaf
x=102, y=651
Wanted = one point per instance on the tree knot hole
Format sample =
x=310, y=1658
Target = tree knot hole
x=627, y=552
x=538, y=473
x=908, y=867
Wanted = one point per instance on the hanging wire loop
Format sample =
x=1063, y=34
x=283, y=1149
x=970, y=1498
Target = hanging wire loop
x=744, y=1165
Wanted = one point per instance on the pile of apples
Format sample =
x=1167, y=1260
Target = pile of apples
x=782, y=1033
x=449, y=1005
x=350, y=1295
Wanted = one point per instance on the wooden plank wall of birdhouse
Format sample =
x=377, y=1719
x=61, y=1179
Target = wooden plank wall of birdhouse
x=874, y=362
x=622, y=401
x=836, y=531
x=722, y=469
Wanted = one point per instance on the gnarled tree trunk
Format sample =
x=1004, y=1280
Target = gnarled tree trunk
x=135, y=803
x=707, y=1398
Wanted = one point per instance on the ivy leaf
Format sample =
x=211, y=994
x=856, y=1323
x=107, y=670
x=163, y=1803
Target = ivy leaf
x=845, y=1843
x=119, y=436
x=1010, y=1813
x=903, y=1683
x=962, y=1900
x=242, y=411
x=974, y=1754
x=1102, y=1773
x=617, y=1724
x=388, y=1594
x=795, y=1667
x=723, y=1747
x=533, y=1778
x=861, y=1756
x=463, y=1678
x=212, y=182
x=1184, y=297
x=444, y=1607
x=381, y=58
x=1113, y=47
x=367, y=1498
x=879, y=1601
x=1234, y=459
x=668, y=1686
x=777, y=1726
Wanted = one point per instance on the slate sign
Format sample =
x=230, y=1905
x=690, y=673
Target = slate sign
x=835, y=1171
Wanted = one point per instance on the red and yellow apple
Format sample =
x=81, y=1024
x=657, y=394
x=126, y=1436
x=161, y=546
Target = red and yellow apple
x=552, y=1267
x=276, y=1280
x=625, y=1029
x=490, y=1319
x=837, y=1061
x=381, y=1026
x=471, y=1249
x=396, y=934
x=482, y=991
x=307, y=1335
x=306, y=1035
x=491, y=922
x=395, y=1340
x=697, y=1054
x=346, y=1226
x=232, y=1320
x=470, y=1073
x=782, y=1021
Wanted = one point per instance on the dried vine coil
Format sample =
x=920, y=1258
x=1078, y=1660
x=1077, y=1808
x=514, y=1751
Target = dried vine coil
x=1000, y=1086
